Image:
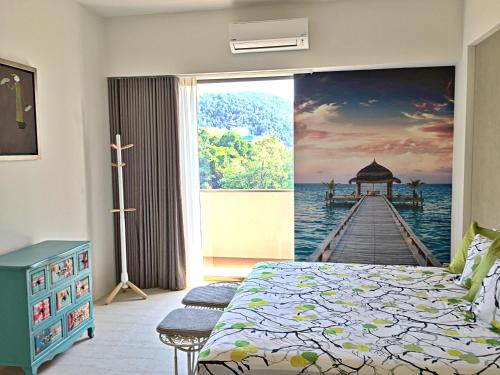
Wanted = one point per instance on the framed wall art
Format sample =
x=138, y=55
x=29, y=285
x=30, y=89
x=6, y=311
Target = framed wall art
x=18, y=119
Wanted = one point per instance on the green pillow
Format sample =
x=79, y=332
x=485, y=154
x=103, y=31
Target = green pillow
x=458, y=262
x=483, y=268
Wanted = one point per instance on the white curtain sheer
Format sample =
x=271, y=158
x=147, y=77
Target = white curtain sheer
x=190, y=178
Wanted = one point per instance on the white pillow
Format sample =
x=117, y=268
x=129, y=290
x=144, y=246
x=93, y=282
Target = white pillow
x=477, y=249
x=486, y=305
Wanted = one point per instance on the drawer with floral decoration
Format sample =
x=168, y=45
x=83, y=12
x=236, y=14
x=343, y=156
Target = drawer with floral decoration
x=62, y=270
x=38, y=281
x=78, y=316
x=82, y=287
x=44, y=338
x=83, y=261
x=41, y=310
x=64, y=297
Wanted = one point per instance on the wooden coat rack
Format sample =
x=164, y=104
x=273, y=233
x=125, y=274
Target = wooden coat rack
x=124, y=283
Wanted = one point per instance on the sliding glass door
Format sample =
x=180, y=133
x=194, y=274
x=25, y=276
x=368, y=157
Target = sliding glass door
x=245, y=134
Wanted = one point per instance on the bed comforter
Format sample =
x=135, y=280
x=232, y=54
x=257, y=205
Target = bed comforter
x=317, y=318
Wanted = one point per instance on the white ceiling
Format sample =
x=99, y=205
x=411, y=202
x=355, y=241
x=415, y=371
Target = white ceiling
x=111, y=8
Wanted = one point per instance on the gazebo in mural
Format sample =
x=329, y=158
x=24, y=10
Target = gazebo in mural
x=374, y=174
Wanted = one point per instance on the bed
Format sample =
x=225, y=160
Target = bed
x=317, y=318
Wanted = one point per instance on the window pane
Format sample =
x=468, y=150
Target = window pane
x=246, y=173
x=245, y=134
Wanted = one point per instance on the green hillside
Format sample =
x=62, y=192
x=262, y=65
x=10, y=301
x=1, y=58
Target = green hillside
x=263, y=114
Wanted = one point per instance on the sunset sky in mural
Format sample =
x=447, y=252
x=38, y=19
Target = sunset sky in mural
x=401, y=117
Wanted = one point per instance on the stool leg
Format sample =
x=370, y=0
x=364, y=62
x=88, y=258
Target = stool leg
x=195, y=357
x=175, y=361
x=190, y=370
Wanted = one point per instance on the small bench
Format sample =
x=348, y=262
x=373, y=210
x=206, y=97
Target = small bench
x=187, y=330
x=212, y=296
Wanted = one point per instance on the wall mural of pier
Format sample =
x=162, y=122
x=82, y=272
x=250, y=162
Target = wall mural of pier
x=373, y=165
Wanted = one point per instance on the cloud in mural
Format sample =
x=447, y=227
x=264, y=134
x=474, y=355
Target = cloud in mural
x=430, y=106
x=419, y=116
x=404, y=124
x=368, y=103
x=309, y=117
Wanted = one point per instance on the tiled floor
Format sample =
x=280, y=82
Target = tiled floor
x=125, y=340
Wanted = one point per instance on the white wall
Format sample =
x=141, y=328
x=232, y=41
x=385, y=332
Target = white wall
x=486, y=153
x=54, y=198
x=342, y=33
x=96, y=141
x=481, y=19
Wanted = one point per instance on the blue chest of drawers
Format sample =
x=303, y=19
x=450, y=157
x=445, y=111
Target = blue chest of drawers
x=45, y=302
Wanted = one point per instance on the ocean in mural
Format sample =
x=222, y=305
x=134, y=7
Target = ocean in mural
x=381, y=140
x=314, y=219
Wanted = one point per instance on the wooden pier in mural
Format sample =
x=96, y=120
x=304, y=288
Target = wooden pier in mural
x=398, y=200
x=373, y=232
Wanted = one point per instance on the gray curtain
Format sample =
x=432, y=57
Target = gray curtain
x=144, y=111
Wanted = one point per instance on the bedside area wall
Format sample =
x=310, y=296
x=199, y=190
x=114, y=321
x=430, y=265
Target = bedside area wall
x=66, y=194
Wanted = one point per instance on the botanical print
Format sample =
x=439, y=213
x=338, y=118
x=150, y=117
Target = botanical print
x=477, y=249
x=62, y=270
x=78, y=316
x=314, y=318
x=486, y=306
x=374, y=134
x=18, y=133
x=41, y=310
x=82, y=287
x=83, y=260
x=47, y=336
x=63, y=298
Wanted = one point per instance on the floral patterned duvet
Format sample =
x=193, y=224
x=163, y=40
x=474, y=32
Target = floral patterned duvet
x=317, y=318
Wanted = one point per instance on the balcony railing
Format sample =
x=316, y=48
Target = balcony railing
x=247, y=224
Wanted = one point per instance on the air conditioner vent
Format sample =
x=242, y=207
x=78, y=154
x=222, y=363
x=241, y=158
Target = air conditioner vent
x=268, y=36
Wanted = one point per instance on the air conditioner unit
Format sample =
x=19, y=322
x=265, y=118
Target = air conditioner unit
x=267, y=36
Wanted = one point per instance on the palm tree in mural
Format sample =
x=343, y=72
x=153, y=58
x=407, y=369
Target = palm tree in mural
x=330, y=186
x=414, y=185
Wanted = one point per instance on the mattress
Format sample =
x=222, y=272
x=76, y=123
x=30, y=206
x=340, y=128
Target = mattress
x=317, y=318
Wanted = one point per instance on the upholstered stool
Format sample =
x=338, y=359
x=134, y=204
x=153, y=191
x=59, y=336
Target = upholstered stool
x=232, y=284
x=187, y=330
x=213, y=296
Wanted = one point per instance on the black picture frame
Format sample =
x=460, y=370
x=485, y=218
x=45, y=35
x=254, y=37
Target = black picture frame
x=18, y=112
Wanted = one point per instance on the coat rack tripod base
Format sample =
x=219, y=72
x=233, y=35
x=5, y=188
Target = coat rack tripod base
x=124, y=286
x=125, y=283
